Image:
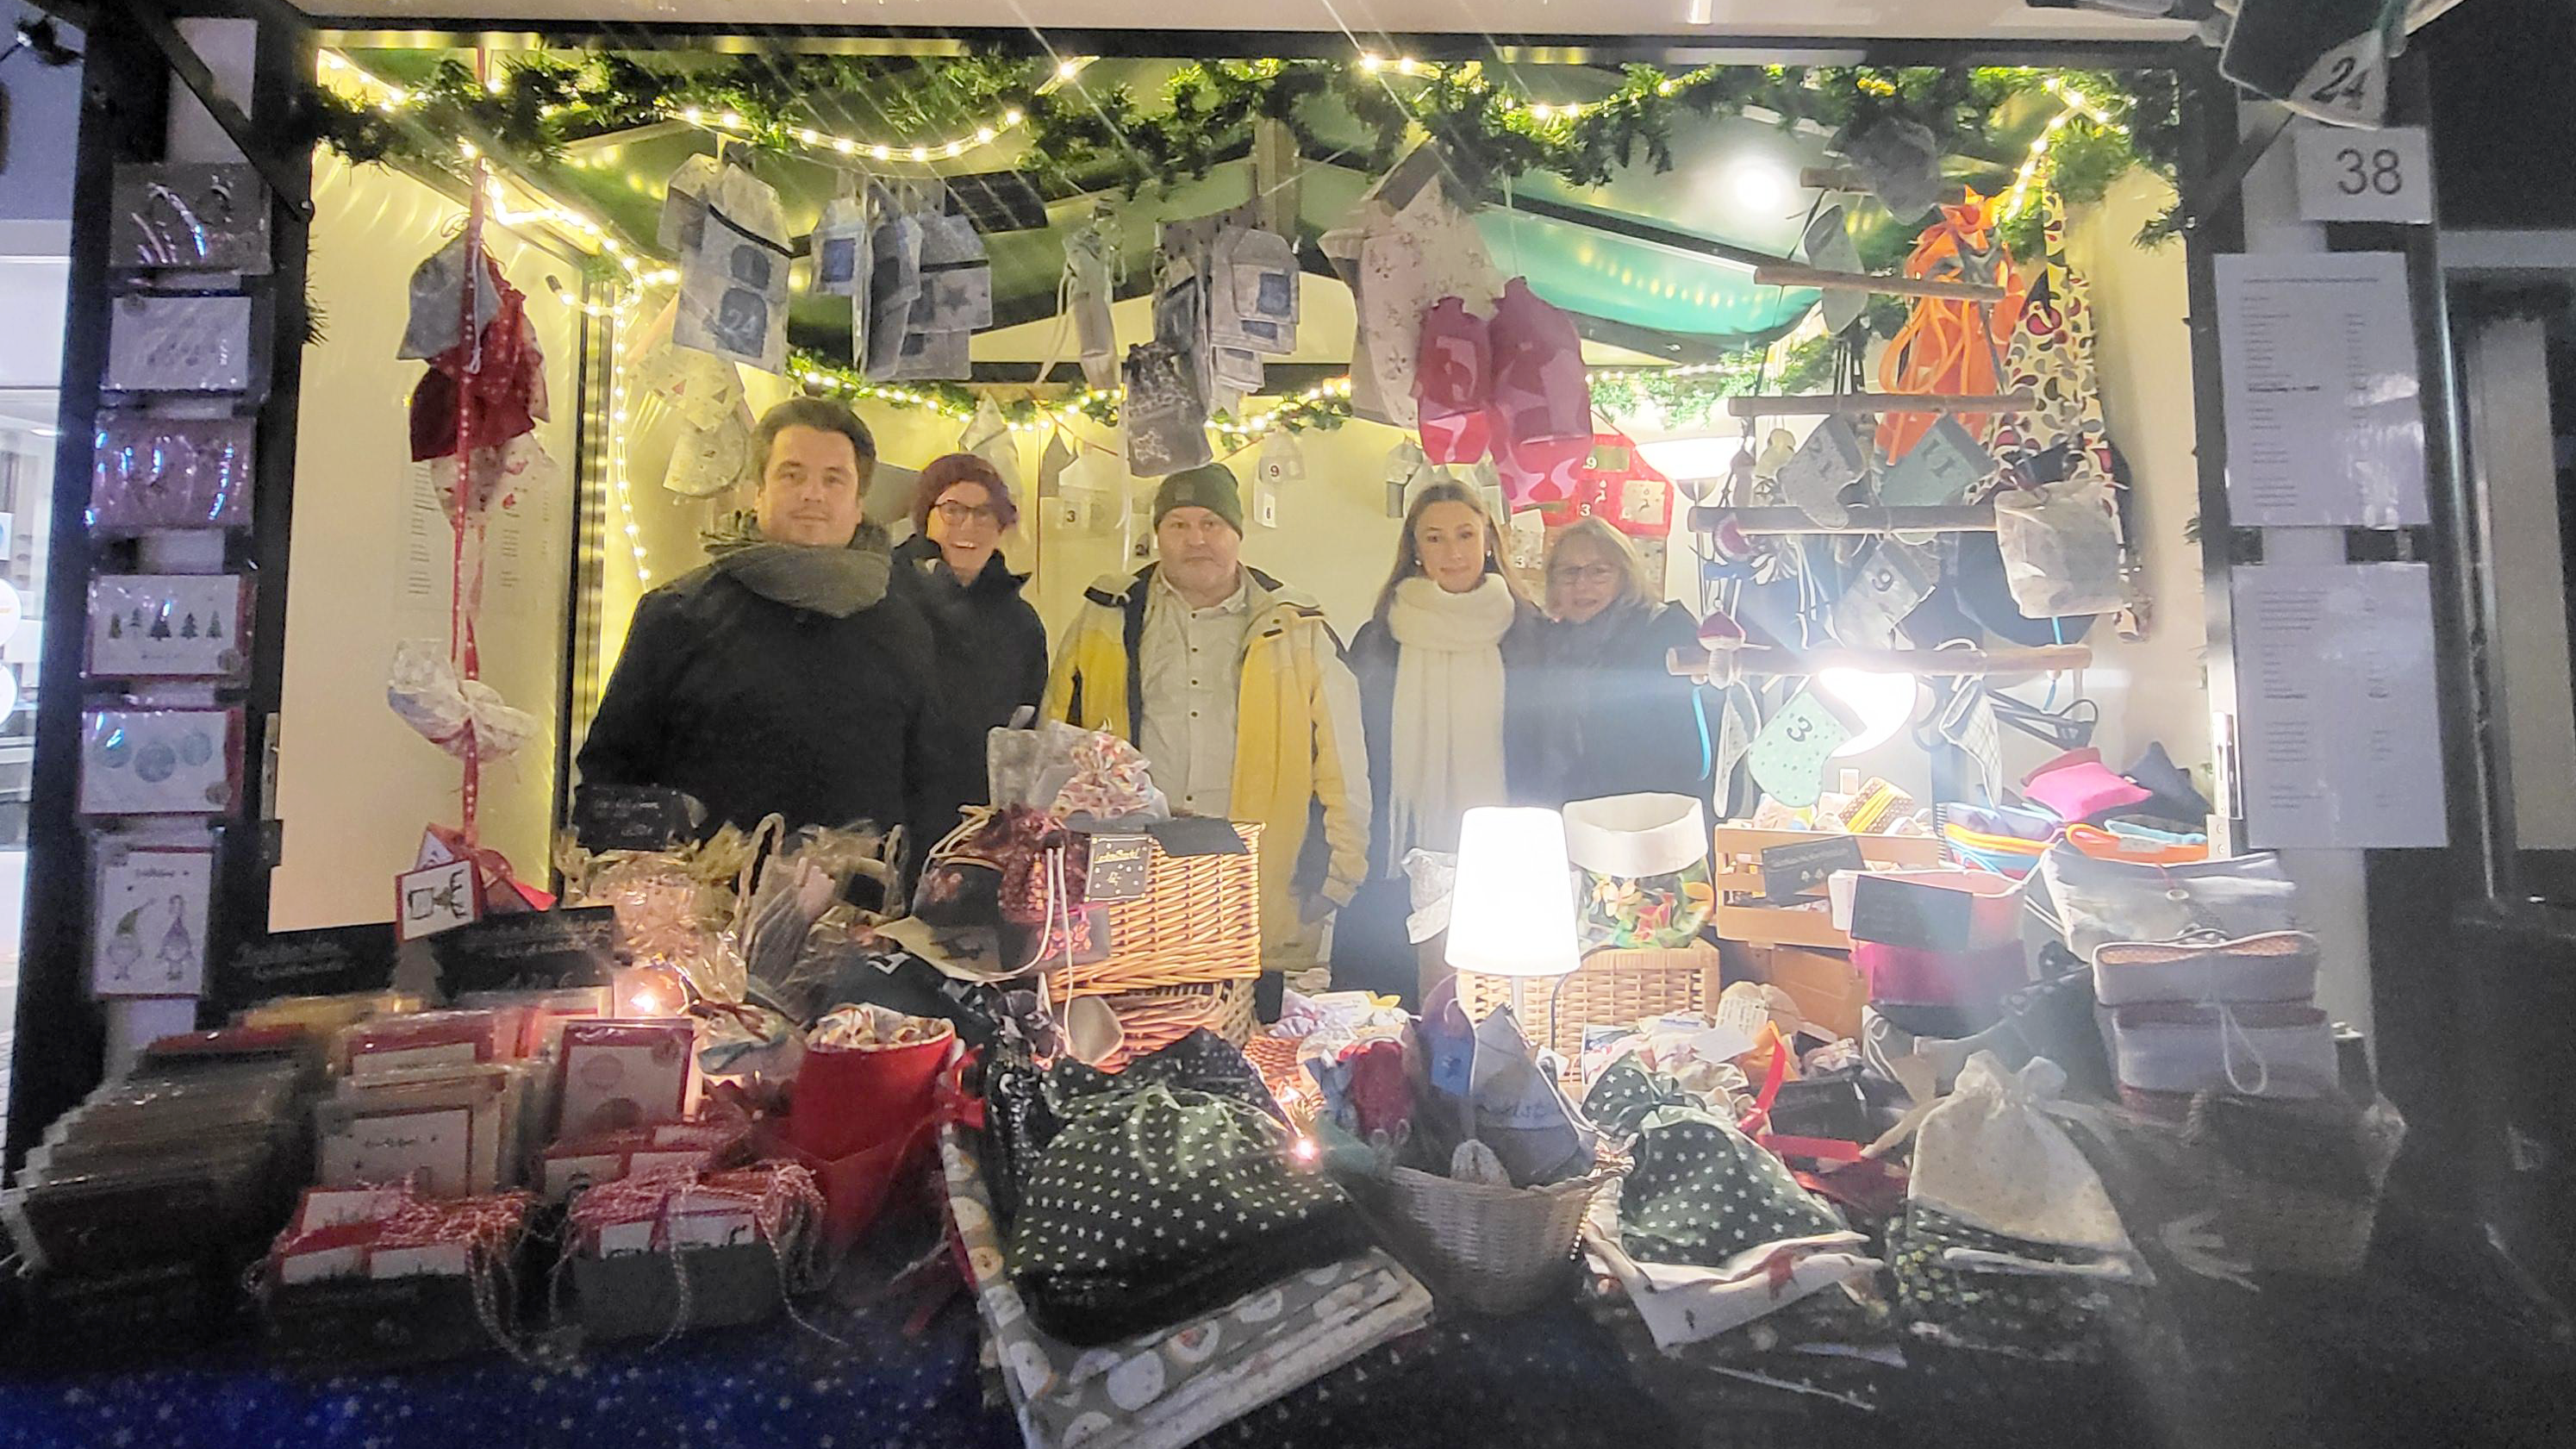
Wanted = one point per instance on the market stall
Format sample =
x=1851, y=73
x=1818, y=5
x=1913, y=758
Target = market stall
x=1936, y=1066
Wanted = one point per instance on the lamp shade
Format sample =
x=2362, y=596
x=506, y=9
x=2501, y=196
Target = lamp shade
x=1512, y=911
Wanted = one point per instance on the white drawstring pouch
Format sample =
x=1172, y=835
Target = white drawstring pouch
x=1990, y=1156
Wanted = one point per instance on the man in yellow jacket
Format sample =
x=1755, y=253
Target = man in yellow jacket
x=1233, y=686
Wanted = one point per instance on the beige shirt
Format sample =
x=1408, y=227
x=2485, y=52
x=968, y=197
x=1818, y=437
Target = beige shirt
x=1192, y=660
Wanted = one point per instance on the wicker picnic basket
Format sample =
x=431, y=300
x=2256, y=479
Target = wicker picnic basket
x=1199, y=921
x=1608, y=988
x=1155, y=1019
x=1491, y=1249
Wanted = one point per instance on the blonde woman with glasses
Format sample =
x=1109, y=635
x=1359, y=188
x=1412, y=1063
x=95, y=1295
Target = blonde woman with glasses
x=1618, y=721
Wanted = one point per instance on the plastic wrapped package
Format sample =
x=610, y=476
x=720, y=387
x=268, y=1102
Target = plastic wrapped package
x=425, y=689
x=150, y=472
x=160, y=761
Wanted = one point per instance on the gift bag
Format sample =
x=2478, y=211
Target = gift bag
x=1642, y=870
x=860, y=1112
x=2061, y=550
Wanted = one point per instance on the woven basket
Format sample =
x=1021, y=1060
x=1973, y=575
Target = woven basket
x=2286, y=1228
x=1491, y=1249
x=1153, y=1020
x=1198, y=921
x=1610, y=988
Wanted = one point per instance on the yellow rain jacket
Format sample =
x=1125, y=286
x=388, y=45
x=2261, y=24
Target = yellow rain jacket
x=1298, y=754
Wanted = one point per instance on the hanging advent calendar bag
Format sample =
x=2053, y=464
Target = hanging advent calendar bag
x=1454, y=384
x=1642, y=867
x=1623, y=490
x=1542, y=400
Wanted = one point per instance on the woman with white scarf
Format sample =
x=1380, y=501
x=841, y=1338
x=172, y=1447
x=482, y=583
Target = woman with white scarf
x=1448, y=701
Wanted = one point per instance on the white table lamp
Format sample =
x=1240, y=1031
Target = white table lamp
x=1512, y=910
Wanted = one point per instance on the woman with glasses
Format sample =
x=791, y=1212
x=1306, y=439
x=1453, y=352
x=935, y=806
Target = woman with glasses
x=1451, y=715
x=991, y=650
x=1619, y=721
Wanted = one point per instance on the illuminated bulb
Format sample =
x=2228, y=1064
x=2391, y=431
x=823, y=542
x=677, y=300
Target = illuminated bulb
x=1407, y=66
x=731, y=118
x=1370, y=63
x=881, y=153
x=467, y=147
x=1541, y=112
x=956, y=148
x=1067, y=70
x=495, y=85
x=920, y=153
x=1304, y=1149
x=1884, y=702
x=984, y=135
x=396, y=95
x=1012, y=117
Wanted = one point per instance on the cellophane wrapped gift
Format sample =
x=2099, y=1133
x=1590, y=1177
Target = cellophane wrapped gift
x=664, y=1253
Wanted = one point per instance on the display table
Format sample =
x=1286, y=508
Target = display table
x=2386, y=1359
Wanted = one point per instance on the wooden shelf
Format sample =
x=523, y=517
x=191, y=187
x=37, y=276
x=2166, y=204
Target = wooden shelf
x=1766, y=663
x=1966, y=518
x=1787, y=274
x=1850, y=404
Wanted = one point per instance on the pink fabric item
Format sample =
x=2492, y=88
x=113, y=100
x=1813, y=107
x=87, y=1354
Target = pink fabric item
x=1911, y=976
x=1453, y=384
x=1542, y=400
x=2083, y=792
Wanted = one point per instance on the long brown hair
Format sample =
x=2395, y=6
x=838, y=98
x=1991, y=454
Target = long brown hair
x=1408, y=563
x=1591, y=533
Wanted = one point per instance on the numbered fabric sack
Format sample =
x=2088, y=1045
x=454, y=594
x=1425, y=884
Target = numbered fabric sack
x=2061, y=550
x=1642, y=870
x=730, y=234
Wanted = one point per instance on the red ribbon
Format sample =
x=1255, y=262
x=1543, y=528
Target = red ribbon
x=949, y=1099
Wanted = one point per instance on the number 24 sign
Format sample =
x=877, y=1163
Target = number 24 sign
x=2357, y=175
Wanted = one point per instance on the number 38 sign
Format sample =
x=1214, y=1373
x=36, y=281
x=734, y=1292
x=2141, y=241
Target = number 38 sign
x=2354, y=175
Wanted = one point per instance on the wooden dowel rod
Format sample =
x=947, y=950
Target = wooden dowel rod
x=1761, y=662
x=1977, y=518
x=1844, y=178
x=1847, y=404
x=1786, y=274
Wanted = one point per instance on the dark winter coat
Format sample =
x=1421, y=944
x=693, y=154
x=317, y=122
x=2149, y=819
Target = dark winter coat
x=990, y=650
x=1618, y=722
x=757, y=707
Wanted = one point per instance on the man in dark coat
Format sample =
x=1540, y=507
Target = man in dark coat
x=783, y=678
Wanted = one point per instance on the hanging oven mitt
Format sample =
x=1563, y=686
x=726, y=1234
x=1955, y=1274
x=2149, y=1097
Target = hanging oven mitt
x=1830, y=249
x=1453, y=386
x=1788, y=757
x=1088, y=289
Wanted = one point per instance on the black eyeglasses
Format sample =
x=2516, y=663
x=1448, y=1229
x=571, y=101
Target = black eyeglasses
x=955, y=515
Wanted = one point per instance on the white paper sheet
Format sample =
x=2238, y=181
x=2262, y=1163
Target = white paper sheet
x=2324, y=420
x=2337, y=724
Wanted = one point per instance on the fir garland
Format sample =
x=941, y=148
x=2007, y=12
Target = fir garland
x=1092, y=138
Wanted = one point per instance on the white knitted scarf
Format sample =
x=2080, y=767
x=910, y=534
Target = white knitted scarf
x=1448, y=717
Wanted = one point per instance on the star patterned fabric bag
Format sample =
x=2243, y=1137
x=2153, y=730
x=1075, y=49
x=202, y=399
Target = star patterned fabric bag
x=1156, y=1201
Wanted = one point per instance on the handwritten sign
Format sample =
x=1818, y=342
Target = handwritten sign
x=326, y=962
x=1792, y=873
x=632, y=817
x=529, y=950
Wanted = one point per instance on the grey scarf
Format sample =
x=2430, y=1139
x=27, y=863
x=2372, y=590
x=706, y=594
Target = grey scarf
x=837, y=582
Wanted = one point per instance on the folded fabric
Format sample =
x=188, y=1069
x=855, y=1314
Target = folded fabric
x=2278, y=967
x=1177, y=1386
x=1155, y=1202
x=2172, y=794
x=2082, y=791
x=2254, y=1049
x=1948, y=1294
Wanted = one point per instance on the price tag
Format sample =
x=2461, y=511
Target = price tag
x=2350, y=175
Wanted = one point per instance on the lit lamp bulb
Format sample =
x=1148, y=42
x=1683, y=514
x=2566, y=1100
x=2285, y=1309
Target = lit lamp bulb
x=1883, y=702
x=649, y=990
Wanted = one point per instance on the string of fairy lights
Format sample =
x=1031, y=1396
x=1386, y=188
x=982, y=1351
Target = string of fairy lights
x=642, y=273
